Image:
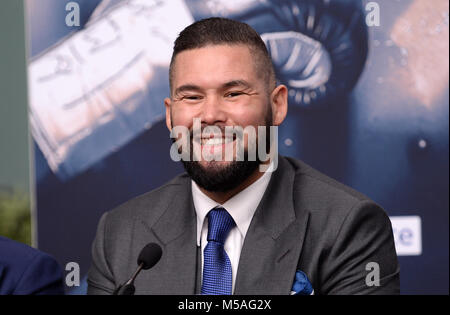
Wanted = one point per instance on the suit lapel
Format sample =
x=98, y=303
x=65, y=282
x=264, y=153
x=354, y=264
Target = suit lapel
x=175, y=231
x=274, y=240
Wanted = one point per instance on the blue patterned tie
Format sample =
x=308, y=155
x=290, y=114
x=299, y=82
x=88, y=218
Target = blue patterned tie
x=217, y=276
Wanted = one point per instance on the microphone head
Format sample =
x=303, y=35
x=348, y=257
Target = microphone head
x=149, y=255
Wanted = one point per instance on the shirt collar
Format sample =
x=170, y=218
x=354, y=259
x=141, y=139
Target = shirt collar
x=241, y=206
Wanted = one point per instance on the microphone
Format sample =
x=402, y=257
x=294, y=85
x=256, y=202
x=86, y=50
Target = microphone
x=149, y=256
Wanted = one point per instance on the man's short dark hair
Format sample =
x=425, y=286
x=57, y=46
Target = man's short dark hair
x=220, y=31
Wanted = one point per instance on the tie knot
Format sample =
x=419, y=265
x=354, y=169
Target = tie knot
x=220, y=223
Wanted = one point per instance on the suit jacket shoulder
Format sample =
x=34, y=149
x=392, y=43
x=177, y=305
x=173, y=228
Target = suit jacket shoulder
x=319, y=187
x=149, y=206
x=25, y=270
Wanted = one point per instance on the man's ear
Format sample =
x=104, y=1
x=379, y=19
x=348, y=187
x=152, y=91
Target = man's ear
x=279, y=103
x=167, y=104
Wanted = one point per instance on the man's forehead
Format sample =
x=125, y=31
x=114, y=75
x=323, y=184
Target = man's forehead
x=237, y=47
x=229, y=62
x=213, y=54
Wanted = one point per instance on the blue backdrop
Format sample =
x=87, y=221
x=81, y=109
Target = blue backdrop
x=368, y=106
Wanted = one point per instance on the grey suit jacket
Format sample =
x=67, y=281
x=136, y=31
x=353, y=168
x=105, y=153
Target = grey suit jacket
x=305, y=221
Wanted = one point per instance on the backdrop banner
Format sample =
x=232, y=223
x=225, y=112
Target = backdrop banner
x=368, y=106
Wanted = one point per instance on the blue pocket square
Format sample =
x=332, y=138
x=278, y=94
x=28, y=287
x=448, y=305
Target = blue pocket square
x=301, y=285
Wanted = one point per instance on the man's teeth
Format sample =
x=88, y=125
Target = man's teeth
x=216, y=141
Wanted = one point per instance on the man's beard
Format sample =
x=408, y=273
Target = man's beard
x=219, y=178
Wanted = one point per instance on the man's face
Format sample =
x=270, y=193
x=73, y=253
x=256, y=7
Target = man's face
x=219, y=85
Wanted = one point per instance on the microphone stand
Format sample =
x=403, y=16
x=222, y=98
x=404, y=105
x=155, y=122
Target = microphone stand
x=128, y=288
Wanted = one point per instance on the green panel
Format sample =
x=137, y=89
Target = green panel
x=14, y=158
x=14, y=141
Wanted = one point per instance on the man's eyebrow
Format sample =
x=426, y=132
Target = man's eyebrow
x=229, y=84
x=187, y=87
x=237, y=83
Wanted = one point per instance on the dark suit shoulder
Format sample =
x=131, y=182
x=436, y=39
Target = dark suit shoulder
x=319, y=190
x=328, y=201
x=26, y=270
x=150, y=205
x=17, y=252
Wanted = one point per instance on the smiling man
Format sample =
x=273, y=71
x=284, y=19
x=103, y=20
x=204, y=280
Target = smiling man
x=229, y=226
x=223, y=85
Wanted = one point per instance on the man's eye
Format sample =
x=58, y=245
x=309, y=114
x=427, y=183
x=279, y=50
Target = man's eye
x=192, y=97
x=233, y=94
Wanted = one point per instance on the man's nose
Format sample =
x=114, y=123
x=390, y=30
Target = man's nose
x=212, y=111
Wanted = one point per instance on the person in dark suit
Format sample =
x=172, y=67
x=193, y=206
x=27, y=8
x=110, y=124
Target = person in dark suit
x=28, y=271
x=264, y=226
